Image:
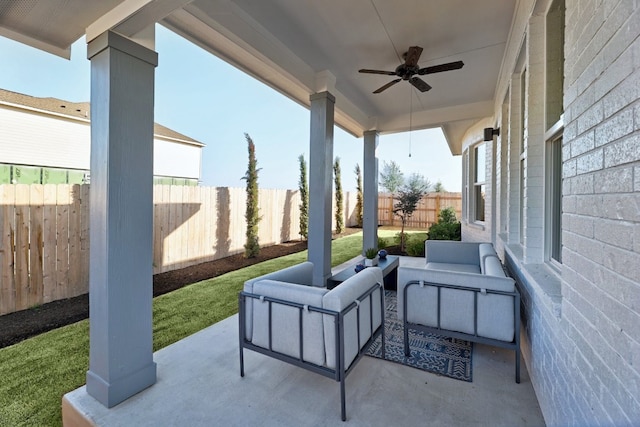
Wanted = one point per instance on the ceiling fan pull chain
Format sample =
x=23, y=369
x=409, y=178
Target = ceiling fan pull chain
x=410, y=117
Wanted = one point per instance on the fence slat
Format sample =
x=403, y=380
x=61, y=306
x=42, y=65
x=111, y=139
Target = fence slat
x=49, y=255
x=83, y=280
x=22, y=247
x=75, y=230
x=63, y=199
x=36, y=244
x=7, y=244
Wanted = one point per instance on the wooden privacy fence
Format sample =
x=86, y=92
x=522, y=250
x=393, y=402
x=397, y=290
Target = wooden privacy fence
x=44, y=232
x=425, y=214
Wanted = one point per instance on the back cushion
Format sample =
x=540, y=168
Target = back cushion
x=485, y=250
x=300, y=274
x=452, y=252
x=285, y=320
x=493, y=267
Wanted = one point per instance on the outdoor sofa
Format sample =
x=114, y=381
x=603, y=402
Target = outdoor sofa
x=461, y=292
x=325, y=331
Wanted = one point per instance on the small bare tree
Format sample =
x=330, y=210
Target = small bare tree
x=407, y=199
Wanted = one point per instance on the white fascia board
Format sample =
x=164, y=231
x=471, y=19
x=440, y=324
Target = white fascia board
x=44, y=112
x=178, y=140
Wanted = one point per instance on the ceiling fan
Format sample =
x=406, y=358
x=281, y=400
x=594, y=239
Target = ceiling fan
x=409, y=69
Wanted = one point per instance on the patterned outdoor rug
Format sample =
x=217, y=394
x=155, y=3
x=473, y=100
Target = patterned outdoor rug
x=437, y=354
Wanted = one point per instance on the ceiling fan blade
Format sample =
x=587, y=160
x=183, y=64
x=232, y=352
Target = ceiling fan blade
x=387, y=86
x=386, y=73
x=412, y=56
x=419, y=84
x=440, y=68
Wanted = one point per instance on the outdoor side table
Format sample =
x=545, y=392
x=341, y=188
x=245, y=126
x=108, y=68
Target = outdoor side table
x=389, y=267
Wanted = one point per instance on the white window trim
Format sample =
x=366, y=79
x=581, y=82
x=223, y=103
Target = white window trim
x=552, y=135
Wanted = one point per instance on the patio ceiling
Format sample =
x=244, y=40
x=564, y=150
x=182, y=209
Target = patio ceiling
x=299, y=47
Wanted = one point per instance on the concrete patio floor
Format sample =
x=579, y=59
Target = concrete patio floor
x=199, y=384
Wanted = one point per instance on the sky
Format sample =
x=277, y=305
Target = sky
x=203, y=97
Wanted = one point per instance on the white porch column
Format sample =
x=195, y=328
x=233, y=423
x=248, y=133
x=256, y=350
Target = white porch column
x=121, y=215
x=320, y=186
x=370, y=192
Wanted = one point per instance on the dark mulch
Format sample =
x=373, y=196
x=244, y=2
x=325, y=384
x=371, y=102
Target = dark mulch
x=18, y=326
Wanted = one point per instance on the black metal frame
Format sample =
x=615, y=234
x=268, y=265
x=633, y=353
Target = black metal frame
x=513, y=345
x=340, y=372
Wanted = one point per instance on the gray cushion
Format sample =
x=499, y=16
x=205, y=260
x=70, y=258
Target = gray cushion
x=422, y=302
x=460, y=268
x=448, y=251
x=299, y=274
x=493, y=267
x=485, y=250
x=285, y=330
x=340, y=298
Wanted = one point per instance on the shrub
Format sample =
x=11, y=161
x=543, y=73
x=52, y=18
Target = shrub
x=399, y=237
x=444, y=231
x=415, y=247
x=447, y=215
x=382, y=243
x=447, y=227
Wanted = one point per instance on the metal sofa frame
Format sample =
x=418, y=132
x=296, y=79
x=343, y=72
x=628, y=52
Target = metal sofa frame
x=513, y=345
x=341, y=371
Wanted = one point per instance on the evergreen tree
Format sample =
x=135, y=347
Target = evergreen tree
x=360, y=197
x=252, y=247
x=439, y=188
x=304, y=198
x=338, y=184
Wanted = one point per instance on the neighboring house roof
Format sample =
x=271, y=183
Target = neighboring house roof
x=78, y=110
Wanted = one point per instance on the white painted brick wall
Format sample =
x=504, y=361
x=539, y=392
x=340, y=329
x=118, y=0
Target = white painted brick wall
x=601, y=261
x=583, y=357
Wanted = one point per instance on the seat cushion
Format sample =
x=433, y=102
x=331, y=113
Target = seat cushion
x=458, y=268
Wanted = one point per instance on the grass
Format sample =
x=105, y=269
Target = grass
x=37, y=372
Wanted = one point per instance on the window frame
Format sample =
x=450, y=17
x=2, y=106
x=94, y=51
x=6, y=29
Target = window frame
x=478, y=185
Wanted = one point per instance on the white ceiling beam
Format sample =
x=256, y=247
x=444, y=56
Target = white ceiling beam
x=38, y=44
x=133, y=16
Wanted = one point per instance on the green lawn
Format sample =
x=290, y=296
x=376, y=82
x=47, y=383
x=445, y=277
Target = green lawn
x=36, y=373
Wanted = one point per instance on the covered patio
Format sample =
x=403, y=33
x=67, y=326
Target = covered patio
x=199, y=384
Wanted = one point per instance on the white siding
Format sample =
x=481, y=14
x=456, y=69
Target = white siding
x=175, y=159
x=36, y=139
x=40, y=139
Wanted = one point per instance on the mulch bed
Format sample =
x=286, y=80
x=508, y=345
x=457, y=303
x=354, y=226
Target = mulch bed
x=18, y=326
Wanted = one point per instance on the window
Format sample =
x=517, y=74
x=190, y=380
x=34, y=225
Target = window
x=553, y=214
x=479, y=181
x=554, y=63
x=465, y=180
x=554, y=72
